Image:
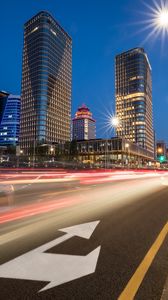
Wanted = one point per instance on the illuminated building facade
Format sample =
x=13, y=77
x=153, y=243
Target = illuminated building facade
x=114, y=151
x=133, y=88
x=46, y=83
x=84, y=126
x=9, y=119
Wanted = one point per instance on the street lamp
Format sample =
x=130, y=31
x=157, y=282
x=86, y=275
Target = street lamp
x=18, y=153
x=114, y=122
x=127, y=147
x=51, y=150
x=34, y=152
x=159, y=150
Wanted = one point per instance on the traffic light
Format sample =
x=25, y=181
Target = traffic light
x=162, y=158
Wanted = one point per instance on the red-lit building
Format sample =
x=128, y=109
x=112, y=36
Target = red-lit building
x=84, y=126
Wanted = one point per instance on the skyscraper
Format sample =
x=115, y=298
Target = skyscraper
x=133, y=89
x=46, y=83
x=84, y=127
x=9, y=119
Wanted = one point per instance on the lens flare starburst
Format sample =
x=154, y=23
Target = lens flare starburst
x=157, y=19
x=163, y=19
x=111, y=123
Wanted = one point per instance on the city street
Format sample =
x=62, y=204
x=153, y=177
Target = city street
x=84, y=235
x=84, y=150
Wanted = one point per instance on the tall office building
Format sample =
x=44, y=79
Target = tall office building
x=84, y=126
x=133, y=88
x=9, y=119
x=46, y=83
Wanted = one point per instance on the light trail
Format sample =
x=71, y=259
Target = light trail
x=83, y=176
x=35, y=209
x=46, y=205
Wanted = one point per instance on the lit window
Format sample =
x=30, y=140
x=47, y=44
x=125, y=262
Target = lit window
x=34, y=29
x=53, y=32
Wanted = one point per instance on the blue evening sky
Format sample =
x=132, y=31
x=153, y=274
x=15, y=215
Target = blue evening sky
x=100, y=29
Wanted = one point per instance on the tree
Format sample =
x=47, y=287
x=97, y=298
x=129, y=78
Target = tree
x=73, y=149
x=11, y=149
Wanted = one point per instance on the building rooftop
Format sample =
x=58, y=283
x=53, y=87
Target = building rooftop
x=83, y=112
x=3, y=93
x=48, y=15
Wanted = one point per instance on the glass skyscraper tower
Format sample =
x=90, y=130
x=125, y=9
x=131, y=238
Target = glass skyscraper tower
x=9, y=119
x=133, y=89
x=46, y=83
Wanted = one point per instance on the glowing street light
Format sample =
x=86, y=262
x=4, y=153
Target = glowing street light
x=113, y=122
x=51, y=150
x=159, y=150
x=127, y=147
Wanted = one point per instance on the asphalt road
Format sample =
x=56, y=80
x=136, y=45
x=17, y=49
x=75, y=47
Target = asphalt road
x=131, y=214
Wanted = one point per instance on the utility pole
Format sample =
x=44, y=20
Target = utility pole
x=34, y=152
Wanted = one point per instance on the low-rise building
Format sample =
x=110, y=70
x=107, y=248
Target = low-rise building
x=114, y=151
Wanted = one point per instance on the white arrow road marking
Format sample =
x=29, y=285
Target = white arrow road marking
x=83, y=230
x=54, y=268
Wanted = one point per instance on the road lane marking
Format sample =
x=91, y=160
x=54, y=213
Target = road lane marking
x=54, y=268
x=133, y=285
